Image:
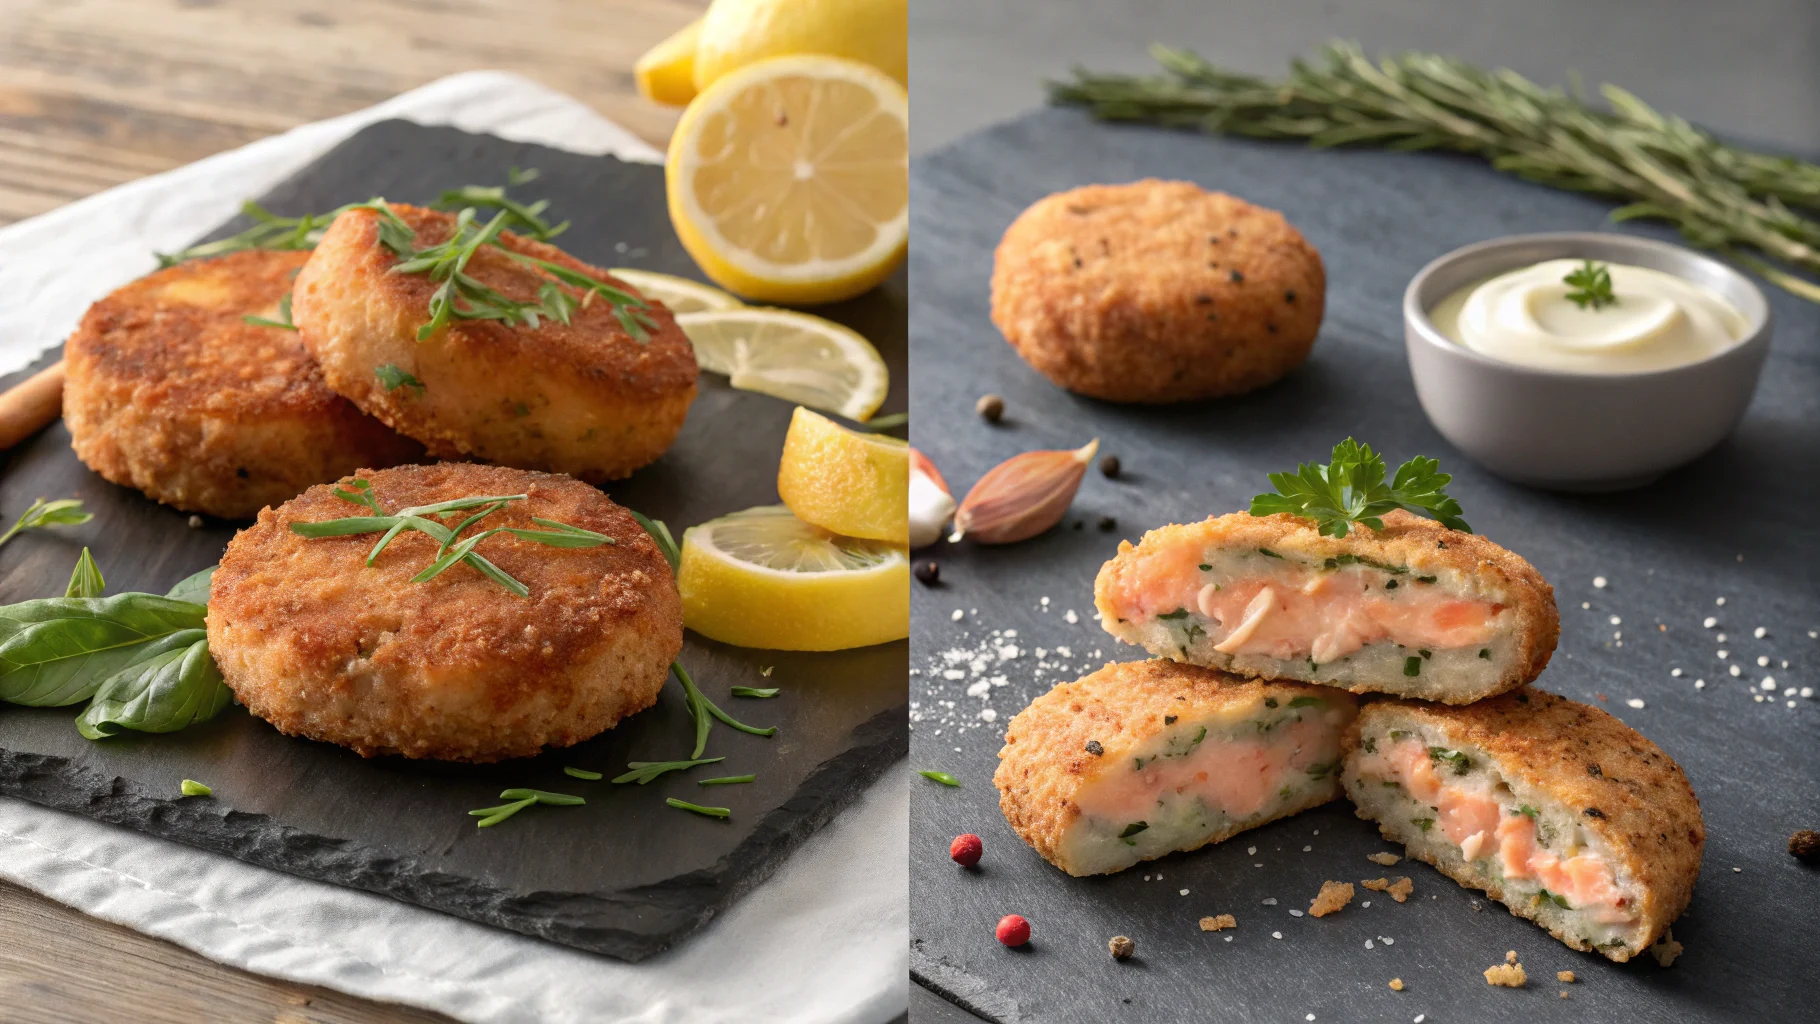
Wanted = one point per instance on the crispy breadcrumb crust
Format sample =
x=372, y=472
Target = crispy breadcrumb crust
x=169, y=390
x=583, y=398
x=1046, y=760
x=1156, y=291
x=1333, y=898
x=1422, y=544
x=320, y=644
x=1629, y=793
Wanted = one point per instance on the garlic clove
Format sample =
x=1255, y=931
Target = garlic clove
x=1022, y=496
x=930, y=503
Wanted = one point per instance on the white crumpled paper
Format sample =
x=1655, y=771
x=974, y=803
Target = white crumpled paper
x=825, y=939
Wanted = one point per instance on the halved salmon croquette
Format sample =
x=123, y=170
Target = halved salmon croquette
x=590, y=397
x=1415, y=610
x=169, y=390
x=1143, y=759
x=322, y=645
x=1564, y=814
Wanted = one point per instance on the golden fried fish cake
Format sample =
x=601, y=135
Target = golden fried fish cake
x=169, y=390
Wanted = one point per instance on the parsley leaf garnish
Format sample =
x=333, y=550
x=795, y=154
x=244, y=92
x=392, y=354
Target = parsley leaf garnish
x=1591, y=285
x=1351, y=489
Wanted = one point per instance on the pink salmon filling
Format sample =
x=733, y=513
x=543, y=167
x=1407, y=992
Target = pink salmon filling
x=1301, y=612
x=1241, y=777
x=1481, y=828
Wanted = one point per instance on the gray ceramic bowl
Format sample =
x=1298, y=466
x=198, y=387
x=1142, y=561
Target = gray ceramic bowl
x=1576, y=431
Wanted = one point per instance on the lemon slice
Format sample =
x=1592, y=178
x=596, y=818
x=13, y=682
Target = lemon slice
x=794, y=356
x=679, y=293
x=788, y=179
x=764, y=578
x=842, y=480
x=666, y=73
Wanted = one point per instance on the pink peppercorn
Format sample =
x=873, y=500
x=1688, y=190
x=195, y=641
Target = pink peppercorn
x=966, y=850
x=1013, y=930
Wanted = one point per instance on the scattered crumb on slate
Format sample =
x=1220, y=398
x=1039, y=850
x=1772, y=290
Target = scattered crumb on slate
x=1565, y=977
x=1332, y=898
x=1563, y=993
x=1805, y=844
x=1219, y=923
x=1396, y=984
x=1122, y=947
x=1666, y=949
x=1510, y=956
x=1398, y=890
x=1506, y=975
x=1385, y=859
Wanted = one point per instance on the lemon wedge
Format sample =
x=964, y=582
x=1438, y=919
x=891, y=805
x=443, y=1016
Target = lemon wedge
x=764, y=578
x=788, y=179
x=794, y=356
x=679, y=293
x=842, y=480
x=666, y=73
x=735, y=33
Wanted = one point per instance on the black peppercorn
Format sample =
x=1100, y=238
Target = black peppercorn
x=1094, y=748
x=1109, y=467
x=1237, y=278
x=1108, y=524
x=929, y=573
x=1122, y=947
x=1805, y=845
x=990, y=407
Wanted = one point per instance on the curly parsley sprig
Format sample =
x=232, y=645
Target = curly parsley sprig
x=1351, y=489
x=1591, y=284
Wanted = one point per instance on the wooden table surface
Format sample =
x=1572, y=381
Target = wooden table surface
x=94, y=93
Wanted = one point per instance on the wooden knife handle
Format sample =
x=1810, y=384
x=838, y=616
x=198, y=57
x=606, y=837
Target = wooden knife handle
x=31, y=405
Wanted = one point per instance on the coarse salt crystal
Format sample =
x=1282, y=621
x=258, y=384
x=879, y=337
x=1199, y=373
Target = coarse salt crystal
x=988, y=715
x=1270, y=901
x=1675, y=672
x=1790, y=692
x=1184, y=892
x=1791, y=703
x=1045, y=601
x=1699, y=684
x=1367, y=943
x=1807, y=691
x=1276, y=935
x=1724, y=654
x=1760, y=632
x=1307, y=849
x=1720, y=638
x=1387, y=942
x=1586, y=604
x=1762, y=661
x=1769, y=682
x=1635, y=702
x=1710, y=622
x=1367, y=903
x=1720, y=601
x=1736, y=671
x=1616, y=621
x=1420, y=1017
x=958, y=615
x=1295, y=913
x=1599, y=582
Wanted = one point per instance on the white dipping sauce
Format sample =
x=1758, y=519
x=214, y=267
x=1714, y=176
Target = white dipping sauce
x=1525, y=317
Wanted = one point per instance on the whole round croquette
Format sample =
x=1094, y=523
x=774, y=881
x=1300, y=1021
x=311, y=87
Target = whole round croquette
x=169, y=390
x=322, y=645
x=586, y=397
x=1156, y=291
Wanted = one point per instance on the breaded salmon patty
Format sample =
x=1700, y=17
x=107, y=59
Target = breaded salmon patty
x=169, y=390
x=320, y=644
x=596, y=397
x=1416, y=610
x=1156, y=291
x=1564, y=814
x=1143, y=759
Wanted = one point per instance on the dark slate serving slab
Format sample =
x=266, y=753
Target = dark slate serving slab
x=624, y=875
x=1737, y=524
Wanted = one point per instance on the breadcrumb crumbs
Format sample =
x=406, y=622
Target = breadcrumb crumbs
x=1564, y=977
x=1398, y=890
x=1332, y=898
x=1510, y=956
x=1506, y=975
x=1666, y=949
x=1396, y=984
x=1121, y=947
x=1563, y=993
x=1219, y=923
x=1386, y=859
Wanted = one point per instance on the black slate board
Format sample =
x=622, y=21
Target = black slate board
x=1668, y=551
x=624, y=875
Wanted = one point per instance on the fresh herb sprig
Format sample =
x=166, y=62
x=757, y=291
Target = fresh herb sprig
x=62, y=512
x=942, y=777
x=282, y=321
x=519, y=800
x=1591, y=284
x=710, y=812
x=644, y=771
x=449, y=551
x=1351, y=489
x=1721, y=197
x=269, y=231
x=86, y=579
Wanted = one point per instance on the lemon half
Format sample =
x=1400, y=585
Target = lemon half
x=794, y=356
x=764, y=578
x=735, y=33
x=666, y=73
x=788, y=179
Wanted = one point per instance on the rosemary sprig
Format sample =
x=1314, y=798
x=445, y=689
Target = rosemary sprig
x=1721, y=197
x=644, y=771
x=727, y=780
x=62, y=512
x=582, y=773
x=449, y=552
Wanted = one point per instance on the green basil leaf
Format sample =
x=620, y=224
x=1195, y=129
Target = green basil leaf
x=194, y=588
x=86, y=580
x=174, y=683
x=58, y=650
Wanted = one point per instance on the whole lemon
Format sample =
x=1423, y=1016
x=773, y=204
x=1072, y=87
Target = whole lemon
x=735, y=33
